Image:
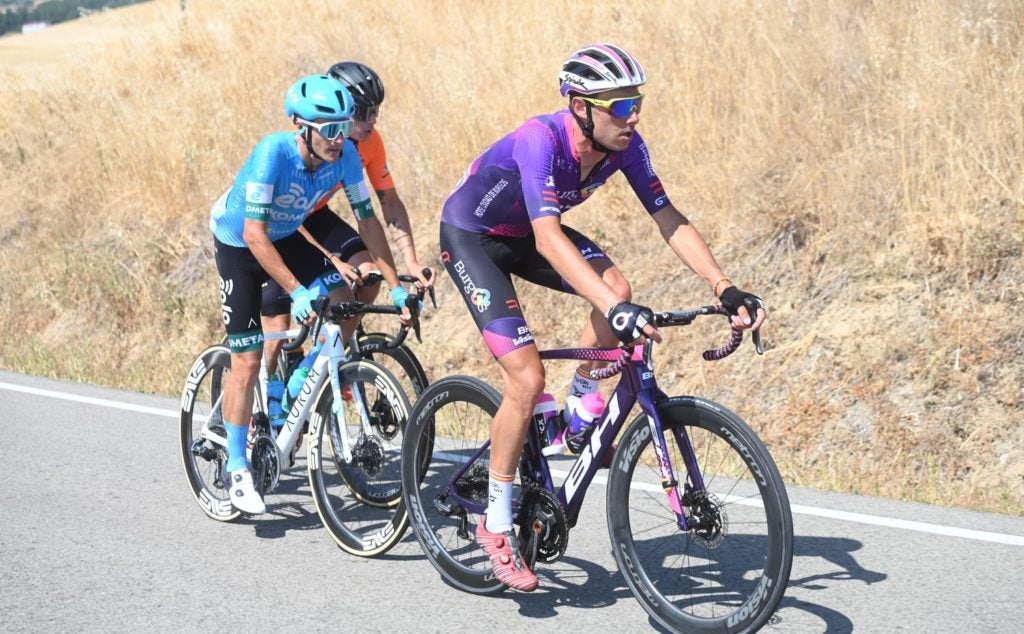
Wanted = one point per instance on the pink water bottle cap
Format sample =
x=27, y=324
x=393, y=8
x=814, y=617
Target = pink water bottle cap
x=593, y=403
x=545, y=404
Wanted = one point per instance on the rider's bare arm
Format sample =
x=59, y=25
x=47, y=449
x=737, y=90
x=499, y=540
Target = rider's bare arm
x=397, y=218
x=689, y=245
x=557, y=249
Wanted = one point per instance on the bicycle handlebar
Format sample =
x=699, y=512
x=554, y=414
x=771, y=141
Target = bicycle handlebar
x=347, y=310
x=685, y=317
x=375, y=277
x=681, y=318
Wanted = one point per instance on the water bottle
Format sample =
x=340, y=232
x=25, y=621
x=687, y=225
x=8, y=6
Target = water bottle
x=275, y=409
x=548, y=423
x=590, y=407
x=298, y=377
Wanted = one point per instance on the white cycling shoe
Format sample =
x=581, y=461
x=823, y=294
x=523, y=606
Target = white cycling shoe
x=243, y=494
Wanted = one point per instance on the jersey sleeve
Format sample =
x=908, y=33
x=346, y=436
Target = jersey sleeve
x=534, y=154
x=264, y=169
x=353, y=184
x=375, y=162
x=638, y=171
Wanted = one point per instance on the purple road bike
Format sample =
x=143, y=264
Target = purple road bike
x=698, y=515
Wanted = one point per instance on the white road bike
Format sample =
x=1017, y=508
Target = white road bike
x=355, y=411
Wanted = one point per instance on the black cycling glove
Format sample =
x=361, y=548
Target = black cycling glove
x=732, y=298
x=628, y=320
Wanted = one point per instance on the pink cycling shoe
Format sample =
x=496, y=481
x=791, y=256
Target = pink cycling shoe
x=503, y=549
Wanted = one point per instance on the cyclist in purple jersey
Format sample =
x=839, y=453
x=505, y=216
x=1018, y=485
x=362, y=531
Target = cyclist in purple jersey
x=504, y=219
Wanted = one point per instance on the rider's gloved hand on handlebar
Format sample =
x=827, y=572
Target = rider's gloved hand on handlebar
x=629, y=322
x=399, y=296
x=747, y=310
x=302, y=303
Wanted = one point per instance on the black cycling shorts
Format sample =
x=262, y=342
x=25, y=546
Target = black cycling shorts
x=241, y=278
x=337, y=237
x=482, y=267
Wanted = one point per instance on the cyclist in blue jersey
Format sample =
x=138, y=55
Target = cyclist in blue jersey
x=342, y=245
x=504, y=218
x=255, y=227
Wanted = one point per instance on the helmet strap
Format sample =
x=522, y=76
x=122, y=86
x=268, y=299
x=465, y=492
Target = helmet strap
x=307, y=138
x=587, y=127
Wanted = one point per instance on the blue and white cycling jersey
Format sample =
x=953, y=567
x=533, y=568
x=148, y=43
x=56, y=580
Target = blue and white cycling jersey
x=275, y=187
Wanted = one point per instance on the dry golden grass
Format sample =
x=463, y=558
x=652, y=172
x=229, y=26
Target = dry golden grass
x=857, y=163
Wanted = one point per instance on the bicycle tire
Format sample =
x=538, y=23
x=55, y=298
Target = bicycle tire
x=401, y=361
x=359, y=501
x=731, y=581
x=205, y=461
x=450, y=421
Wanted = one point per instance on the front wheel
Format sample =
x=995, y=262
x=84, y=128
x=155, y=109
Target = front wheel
x=359, y=496
x=729, y=570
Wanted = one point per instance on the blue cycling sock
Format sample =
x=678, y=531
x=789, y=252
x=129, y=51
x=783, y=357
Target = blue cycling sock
x=237, y=438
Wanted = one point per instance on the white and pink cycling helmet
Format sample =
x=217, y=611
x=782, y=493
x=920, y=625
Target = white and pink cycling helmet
x=600, y=67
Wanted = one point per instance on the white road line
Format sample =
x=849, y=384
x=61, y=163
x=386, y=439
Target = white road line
x=800, y=509
x=860, y=518
x=142, y=409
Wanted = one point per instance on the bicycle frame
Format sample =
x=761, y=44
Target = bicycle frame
x=329, y=357
x=637, y=384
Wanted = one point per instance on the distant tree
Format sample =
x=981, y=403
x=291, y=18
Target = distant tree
x=53, y=11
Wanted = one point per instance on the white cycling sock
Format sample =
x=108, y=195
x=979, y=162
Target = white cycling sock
x=581, y=384
x=499, y=502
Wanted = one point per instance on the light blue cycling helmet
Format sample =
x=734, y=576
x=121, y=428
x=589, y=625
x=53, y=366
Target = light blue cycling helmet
x=319, y=97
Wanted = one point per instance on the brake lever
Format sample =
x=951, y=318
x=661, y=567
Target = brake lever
x=430, y=291
x=413, y=304
x=755, y=336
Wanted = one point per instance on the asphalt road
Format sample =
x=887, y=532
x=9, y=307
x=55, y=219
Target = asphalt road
x=100, y=533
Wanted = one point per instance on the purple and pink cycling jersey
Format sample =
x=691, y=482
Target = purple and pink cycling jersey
x=535, y=172
x=486, y=235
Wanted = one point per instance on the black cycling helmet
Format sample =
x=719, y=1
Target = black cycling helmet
x=364, y=84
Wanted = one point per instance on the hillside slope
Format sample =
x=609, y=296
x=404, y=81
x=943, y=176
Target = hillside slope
x=856, y=163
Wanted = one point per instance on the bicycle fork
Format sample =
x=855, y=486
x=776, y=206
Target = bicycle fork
x=335, y=351
x=677, y=496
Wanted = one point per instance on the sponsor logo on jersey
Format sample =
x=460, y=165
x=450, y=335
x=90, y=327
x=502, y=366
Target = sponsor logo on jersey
x=647, y=160
x=489, y=197
x=258, y=193
x=296, y=199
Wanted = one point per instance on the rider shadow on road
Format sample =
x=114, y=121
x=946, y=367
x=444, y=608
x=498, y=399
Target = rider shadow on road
x=573, y=582
x=289, y=508
x=833, y=554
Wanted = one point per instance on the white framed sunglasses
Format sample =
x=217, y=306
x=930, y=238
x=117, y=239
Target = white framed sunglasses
x=330, y=130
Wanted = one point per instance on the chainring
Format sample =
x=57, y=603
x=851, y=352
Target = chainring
x=266, y=464
x=543, y=527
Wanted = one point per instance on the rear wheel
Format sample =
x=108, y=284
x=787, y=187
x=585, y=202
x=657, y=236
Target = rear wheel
x=729, y=571
x=359, y=496
x=448, y=425
x=203, y=439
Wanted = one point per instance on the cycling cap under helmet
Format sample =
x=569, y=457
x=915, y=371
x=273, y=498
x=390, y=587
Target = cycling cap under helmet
x=361, y=81
x=600, y=67
x=318, y=97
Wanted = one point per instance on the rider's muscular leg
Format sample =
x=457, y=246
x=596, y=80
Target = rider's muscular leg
x=524, y=381
x=237, y=407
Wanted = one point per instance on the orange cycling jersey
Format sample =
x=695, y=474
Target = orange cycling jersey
x=375, y=162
